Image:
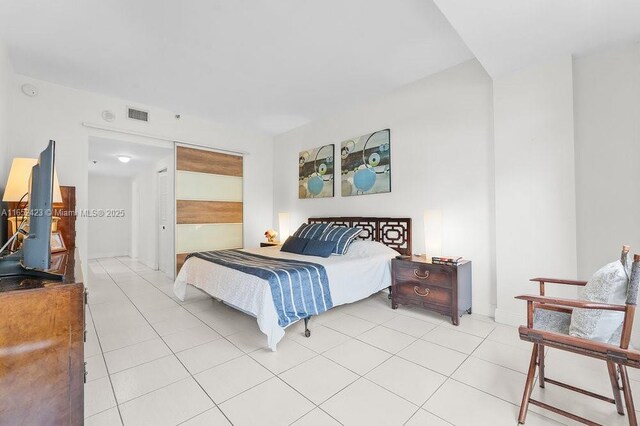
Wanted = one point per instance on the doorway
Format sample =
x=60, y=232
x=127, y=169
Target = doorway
x=131, y=192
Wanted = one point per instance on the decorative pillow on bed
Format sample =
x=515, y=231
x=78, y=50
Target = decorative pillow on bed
x=342, y=236
x=319, y=248
x=608, y=285
x=311, y=231
x=295, y=245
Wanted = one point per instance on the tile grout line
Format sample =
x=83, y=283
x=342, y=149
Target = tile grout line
x=317, y=353
x=172, y=352
x=278, y=374
x=456, y=369
x=106, y=368
x=450, y=377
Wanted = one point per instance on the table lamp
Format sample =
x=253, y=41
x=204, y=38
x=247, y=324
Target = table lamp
x=18, y=187
x=433, y=233
x=18, y=182
x=284, y=222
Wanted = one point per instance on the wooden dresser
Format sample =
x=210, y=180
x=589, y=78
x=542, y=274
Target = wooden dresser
x=42, y=348
x=440, y=288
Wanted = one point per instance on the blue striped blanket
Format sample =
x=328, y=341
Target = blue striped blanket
x=299, y=289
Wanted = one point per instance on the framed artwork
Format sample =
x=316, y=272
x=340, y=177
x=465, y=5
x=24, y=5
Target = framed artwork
x=366, y=164
x=315, y=172
x=58, y=261
x=57, y=243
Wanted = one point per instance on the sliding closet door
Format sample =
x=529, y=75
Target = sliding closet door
x=208, y=201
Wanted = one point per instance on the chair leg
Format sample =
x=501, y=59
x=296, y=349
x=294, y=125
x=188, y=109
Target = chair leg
x=541, y=365
x=628, y=397
x=615, y=386
x=528, y=386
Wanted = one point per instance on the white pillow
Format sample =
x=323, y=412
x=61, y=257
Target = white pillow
x=365, y=248
x=608, y=285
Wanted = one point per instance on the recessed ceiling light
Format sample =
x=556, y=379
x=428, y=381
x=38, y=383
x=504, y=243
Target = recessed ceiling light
x=124, y=158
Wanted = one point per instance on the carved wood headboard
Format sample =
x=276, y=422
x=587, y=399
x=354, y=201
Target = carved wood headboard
x=394, y=232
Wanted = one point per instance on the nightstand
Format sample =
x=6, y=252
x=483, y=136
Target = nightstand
x=268, y=244
x=440, y=288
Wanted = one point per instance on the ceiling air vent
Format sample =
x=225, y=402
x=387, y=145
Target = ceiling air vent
x=137, y=114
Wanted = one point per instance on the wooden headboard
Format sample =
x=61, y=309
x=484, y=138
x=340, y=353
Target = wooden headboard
x=394, y=232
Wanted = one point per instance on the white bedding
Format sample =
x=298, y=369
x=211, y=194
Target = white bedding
x=365, y=269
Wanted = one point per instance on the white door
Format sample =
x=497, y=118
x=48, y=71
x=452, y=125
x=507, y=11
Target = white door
x=164, y=245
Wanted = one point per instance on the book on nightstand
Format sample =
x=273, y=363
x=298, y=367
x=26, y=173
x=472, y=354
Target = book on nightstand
x=448, y=260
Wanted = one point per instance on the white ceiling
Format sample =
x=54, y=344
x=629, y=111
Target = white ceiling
x=507, y=35
x=266, y=65
x=105, y=151
x=273, y=65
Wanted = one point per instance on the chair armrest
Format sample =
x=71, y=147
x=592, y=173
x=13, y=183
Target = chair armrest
x=558, y=281
x=604, y=351
x=572, y=303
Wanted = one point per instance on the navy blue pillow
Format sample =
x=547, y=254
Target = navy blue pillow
x=312, y=231
x=319, y=248
x=294, y=245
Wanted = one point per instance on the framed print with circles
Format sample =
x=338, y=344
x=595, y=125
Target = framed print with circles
x=315, y=172
x=366, y=164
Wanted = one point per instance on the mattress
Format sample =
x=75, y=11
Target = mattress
x=364, y=270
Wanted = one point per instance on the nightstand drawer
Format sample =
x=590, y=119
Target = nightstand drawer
x=424, y=293
x=424, y=274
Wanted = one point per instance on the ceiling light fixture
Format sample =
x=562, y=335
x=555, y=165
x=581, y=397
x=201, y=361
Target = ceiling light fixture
x=124, y=158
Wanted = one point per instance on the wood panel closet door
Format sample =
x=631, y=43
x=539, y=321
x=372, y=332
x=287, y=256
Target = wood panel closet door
x=208, y=201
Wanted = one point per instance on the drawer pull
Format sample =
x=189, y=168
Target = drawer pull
x=417, y=291
x=416, y=272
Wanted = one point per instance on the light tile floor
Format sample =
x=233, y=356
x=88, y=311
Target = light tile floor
x=155, y=360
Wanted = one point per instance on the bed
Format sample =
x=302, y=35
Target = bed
x=364, y=270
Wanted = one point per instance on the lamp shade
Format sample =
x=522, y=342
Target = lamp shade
x=433, y=232
x=18, y=182
x=284, y=222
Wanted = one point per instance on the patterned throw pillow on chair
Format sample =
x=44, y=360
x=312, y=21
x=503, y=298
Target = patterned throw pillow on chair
x=608, y=285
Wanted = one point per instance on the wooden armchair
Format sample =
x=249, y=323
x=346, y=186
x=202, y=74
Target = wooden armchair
x=617, y=358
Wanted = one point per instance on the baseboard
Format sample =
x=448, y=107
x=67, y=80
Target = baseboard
x=510, y=318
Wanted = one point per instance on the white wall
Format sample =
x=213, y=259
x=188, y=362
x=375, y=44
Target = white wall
x=607, y=126
x=145, y=217
x=534, y=182
x=58, y=112
x=6, y=74
x=110, y=236
x=442, y=158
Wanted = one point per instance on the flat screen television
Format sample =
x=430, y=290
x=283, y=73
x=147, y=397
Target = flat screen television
x=35, y=257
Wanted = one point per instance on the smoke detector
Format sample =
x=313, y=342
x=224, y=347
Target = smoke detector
x=108, y=116
x=29, y=90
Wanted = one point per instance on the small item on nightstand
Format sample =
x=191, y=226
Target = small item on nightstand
x=403, y=256
x=269, y=243
x=271, y=235
x=449, y=260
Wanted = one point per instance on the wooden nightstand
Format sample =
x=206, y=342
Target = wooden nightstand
x=441, y=288
x=268, y=244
